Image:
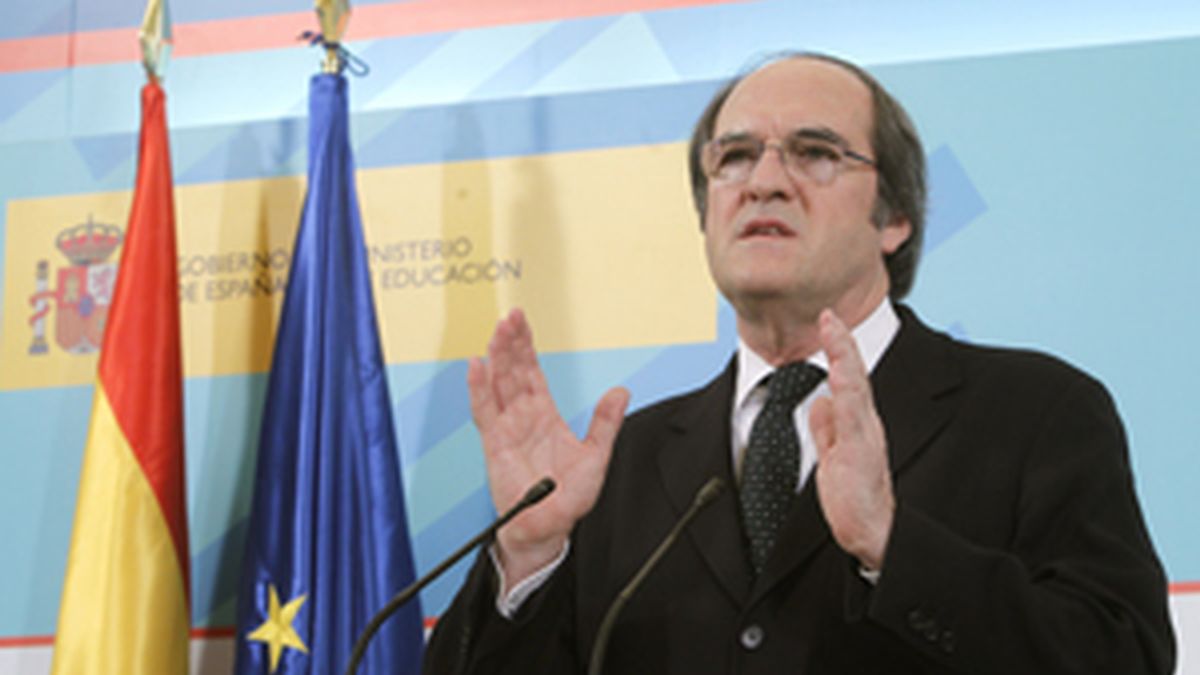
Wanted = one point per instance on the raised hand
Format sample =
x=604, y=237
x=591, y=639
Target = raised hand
x=525, y=438
x=854, y=483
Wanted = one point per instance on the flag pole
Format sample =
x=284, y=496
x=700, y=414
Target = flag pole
x=334, y=16
x=155, y=39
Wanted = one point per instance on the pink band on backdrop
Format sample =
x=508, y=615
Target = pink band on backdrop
x=417, y=17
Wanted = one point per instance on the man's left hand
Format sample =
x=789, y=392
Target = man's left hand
x=854, y=483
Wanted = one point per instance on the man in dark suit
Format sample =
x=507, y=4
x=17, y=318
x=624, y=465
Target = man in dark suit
x=904, y=503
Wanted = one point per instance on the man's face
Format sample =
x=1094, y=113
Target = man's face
x=781, y=236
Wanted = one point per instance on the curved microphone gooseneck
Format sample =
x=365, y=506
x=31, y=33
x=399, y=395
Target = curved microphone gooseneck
x=704, y=496
x=535, y=494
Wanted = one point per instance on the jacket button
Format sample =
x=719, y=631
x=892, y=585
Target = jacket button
x=916, y=619
x=947, y=642
x=752, y=636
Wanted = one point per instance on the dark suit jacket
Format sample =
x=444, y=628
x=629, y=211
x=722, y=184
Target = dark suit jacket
x=1018, y=544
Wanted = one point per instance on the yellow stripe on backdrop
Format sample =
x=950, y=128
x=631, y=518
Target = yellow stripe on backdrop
x=123, y=584
x=600, y=247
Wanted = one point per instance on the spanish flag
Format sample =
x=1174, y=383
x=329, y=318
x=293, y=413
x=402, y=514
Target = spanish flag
x=125, y=604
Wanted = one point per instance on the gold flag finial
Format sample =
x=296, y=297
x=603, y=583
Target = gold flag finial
x=155, y=38
x=334, y=15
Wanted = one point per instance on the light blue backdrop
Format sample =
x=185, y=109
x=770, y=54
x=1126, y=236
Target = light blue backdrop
x=1062, y=140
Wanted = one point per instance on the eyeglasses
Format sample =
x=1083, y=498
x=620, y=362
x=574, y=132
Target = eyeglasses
x=815, y=155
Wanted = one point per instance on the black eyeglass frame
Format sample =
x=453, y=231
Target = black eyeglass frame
x=711, y=167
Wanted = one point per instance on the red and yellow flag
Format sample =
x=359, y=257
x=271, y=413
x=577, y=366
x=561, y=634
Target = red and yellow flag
x=125, y=603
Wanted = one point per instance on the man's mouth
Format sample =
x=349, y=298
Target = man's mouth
x=766, y=228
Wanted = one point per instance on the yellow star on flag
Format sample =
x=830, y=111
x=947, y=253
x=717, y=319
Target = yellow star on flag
x=277, y=631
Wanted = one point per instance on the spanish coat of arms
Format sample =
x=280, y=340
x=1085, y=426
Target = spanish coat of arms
x=83, y=292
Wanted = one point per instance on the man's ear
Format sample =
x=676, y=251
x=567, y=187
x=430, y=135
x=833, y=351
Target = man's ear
x=893, y=235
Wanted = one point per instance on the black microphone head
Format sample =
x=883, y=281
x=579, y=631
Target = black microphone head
x=711, y=490
x=539, y=491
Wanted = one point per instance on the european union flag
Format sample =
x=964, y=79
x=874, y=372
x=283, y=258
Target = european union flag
x=328, y=541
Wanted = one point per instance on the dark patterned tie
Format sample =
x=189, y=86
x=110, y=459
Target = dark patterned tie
x=771, y=466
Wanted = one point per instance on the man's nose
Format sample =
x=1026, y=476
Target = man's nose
x=770, y=176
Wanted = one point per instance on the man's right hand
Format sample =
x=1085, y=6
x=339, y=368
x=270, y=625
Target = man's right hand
x=525, y=438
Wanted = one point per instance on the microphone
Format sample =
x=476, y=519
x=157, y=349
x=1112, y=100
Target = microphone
x=533, y=495
x=704, y=496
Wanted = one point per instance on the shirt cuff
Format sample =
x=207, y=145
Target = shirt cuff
x=508, y=602
x=870, y=576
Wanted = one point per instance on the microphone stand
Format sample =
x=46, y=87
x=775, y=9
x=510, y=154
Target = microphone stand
x=535, y=494
x=704, y=496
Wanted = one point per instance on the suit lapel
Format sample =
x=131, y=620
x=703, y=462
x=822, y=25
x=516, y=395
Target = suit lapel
x=915, y=385
x=696, y=450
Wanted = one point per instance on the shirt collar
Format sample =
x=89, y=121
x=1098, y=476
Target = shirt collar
x=872, y=337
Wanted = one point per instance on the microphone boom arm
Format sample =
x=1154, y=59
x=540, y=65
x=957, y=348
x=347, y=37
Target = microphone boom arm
x=535, y=494
x=705, y=496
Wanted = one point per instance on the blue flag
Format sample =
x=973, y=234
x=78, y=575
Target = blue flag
x=328, y=541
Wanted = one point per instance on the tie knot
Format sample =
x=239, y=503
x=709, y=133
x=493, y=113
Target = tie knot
x=790, y=383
